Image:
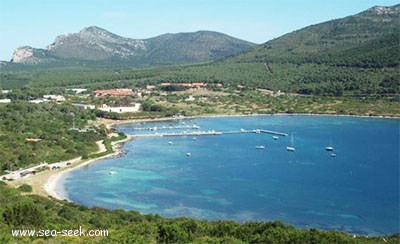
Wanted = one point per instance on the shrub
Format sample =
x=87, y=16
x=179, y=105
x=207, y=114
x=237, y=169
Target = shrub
x=25, y=188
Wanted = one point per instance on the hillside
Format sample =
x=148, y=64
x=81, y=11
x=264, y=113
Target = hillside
x=98, y=45
x=356, y=53
x=326, y=42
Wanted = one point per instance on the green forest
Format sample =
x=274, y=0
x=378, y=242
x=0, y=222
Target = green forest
x=53, y=130
x=37, y=213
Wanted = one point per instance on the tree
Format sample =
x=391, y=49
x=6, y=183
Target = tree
x=24, y=213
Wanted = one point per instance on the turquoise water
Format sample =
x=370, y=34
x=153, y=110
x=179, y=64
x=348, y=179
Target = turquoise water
x=226, y=177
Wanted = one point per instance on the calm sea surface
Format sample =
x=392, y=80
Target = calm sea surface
x=227, y=177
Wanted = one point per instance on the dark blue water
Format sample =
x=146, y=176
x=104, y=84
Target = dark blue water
x=226, y=177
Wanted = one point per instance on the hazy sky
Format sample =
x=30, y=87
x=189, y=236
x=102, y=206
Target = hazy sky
x=36, y=23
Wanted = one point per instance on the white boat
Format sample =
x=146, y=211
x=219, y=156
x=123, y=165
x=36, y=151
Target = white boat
x=112, y=172
x=170, y=143
x=333, y=155
x=291, y=147
x=260, y=147
x=188, y=154
x=330, y=147
x=275, y=137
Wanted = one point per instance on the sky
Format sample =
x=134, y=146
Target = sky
x=37, y=23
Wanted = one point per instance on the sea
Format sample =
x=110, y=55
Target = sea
x=245, y=174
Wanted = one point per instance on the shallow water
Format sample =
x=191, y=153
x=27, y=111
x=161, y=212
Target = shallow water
x=226, y=177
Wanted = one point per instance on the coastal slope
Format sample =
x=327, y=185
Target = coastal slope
x=358, y=54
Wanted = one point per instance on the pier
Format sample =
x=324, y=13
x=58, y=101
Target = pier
x=276, y=133
x=166, y=127
x=211, y=132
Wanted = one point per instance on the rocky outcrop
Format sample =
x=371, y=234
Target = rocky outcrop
x=22, y=54
x=30, y=55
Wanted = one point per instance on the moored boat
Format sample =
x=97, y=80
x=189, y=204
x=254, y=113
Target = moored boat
x=291, y=148
x=330, y=147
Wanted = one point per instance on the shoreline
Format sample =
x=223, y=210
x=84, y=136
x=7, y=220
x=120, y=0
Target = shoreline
x=111, y=123
x=50, y=186
x=45, y=183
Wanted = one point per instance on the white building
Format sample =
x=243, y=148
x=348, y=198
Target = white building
x=5, y=100
x=121, y=109
x=55, y=98
x=77, y=90
x=37, y=101
x=84, y=106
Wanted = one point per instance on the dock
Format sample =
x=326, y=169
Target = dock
x=154, y=128
x=211, y=132
x=276, y=133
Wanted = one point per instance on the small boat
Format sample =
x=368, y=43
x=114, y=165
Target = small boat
x=112, y=172
x=333, y=155
x=194, y=138
x=330, y=147
x=170, y=143
x=291, y=147
x=260, y=147
x=188, y=154
x=275, y=137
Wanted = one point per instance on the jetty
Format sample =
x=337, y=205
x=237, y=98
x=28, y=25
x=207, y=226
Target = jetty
x=276, y=133
x=210, y=132
x=166, y=127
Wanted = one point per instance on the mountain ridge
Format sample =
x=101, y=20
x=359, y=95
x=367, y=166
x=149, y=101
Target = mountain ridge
x=321, y=37
x=96, y=44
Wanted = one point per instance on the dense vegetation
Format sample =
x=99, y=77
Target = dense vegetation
x=354, y=55
x=34, y=133
x=33, y=212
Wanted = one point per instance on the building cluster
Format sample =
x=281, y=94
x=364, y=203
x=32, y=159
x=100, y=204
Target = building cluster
x=119, y=92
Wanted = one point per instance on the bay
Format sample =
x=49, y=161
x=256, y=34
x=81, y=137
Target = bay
x=227, y=177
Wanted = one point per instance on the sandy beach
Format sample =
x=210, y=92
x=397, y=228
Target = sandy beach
x=45, y=183
x=50, y=184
